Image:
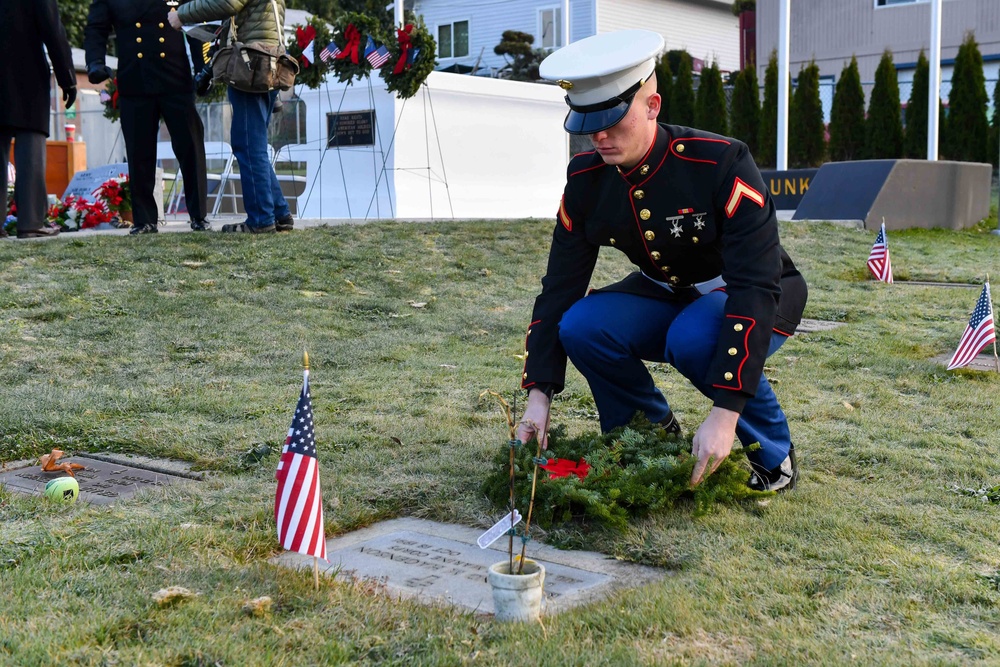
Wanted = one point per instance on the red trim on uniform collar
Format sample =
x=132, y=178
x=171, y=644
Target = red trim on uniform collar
x=689, y=139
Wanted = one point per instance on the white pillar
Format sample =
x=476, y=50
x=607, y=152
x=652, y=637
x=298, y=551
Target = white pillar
x=784, y=31
x=398, y=7
x=934, y=79
x=565, y=22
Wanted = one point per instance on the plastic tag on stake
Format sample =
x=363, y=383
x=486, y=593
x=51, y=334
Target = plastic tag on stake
x=499, y=529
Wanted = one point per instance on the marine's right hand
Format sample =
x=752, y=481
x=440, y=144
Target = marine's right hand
x=96, y=73
x=535, y=421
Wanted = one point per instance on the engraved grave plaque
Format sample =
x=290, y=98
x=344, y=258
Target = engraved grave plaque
x=441, y=563
x=101, y=483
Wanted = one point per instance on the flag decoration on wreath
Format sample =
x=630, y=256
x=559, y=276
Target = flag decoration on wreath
x=329, y=52
x=377, y=56
x=305, y=38
x=979, y=333
x=298, y=503
x=878, y=259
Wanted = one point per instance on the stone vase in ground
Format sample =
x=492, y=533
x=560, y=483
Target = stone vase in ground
x=517, y=597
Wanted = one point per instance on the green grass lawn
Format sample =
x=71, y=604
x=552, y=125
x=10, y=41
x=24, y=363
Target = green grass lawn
x=190, y=346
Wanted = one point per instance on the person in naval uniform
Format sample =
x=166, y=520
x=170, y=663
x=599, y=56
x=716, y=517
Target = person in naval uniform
x=714, y=293
x=154, y=81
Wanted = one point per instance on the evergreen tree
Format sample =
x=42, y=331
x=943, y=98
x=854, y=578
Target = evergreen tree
x=746, y=107
x=767, y=138
x=682, y=94
x=710, y=112
x=73, y=14
x=664, y=86
x=967, y=130
x=884, y=128
x=847, y=115
x=806, y=145
x=915, y=136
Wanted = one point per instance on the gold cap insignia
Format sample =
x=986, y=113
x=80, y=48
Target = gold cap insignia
x=564, y=84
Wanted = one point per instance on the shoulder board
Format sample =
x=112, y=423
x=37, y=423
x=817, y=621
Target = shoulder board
x=583, y=163
x=696, y=146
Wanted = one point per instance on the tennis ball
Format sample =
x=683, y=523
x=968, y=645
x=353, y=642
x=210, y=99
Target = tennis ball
x=65, y=489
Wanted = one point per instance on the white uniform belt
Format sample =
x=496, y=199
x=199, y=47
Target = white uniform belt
x=702, y=288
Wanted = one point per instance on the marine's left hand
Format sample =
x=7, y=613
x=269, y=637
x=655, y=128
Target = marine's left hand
x=174, y=20
x=712, y=442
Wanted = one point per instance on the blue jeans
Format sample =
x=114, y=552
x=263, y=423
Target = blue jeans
x=262, y=196
x=607, y=335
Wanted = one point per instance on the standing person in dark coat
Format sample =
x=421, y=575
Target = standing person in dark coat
x=26, y=25
x=714, y=295
x=154, y=81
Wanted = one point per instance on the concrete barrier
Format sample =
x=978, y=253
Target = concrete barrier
x=906, y=193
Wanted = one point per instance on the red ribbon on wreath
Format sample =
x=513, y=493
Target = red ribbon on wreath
x=564, y=468
x=405, y=46
x=114, y=96
x=353, y=37
x=303, y=37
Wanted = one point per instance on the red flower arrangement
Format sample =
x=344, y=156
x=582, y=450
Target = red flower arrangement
x=75, y=213
x=116, y=194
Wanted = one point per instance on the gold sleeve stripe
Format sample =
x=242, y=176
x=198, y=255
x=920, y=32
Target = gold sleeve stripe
x=564, y=217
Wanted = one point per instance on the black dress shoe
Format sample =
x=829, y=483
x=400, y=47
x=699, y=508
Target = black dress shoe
x=42, y=233
x=201, y=225
x=143, y=229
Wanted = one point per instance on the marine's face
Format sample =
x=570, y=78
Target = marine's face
x=625, y=143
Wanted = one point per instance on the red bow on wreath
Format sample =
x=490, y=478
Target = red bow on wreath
x=114, y=96
x=304, y=37
x=405, y=46
x=353, y=37
x=565, y=467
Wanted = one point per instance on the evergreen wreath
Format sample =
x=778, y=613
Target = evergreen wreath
x=318, y=32
x=109, y=98
x=351, y=36
x=413, y=56
x=630, y=472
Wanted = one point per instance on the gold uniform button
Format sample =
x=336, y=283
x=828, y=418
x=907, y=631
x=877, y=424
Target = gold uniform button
x=680, y=148
x=649, y=232
x=732, y=352
x=664, y=268
x=639, y=194
x=161, y=25
x=140, y=55
x=644, y=169
x=674, y=279
x=644, y=214
x=163, y=55
x=613, y=241
x=655, y=255
x=138, y=25
x=524, y=377
x=525, y=354
x=728, y=376
x=737, y=327
x=529, y=332
x=138, y=40
x=694, y=239
x=162, y=40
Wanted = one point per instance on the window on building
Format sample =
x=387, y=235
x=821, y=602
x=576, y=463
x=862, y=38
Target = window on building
x=886, y=3
x=550, y=27
x=453, y=40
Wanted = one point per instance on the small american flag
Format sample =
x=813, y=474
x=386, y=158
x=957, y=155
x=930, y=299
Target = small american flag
x=376, y=56
x=978, y=334
x=878, y=259
x=329, y=52
x=298, y=504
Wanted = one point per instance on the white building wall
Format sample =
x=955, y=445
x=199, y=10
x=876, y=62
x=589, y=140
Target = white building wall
x=707, y=30
x=463, y=147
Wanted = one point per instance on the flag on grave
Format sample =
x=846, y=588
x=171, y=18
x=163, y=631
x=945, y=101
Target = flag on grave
x=979, y=333
x=298, y=504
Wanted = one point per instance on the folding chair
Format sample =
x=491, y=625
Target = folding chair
x=284, y=155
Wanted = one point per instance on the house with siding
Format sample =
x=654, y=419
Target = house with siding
x=831, y=32
x=467, y=30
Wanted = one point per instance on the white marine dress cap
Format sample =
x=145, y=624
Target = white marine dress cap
x=601, y=75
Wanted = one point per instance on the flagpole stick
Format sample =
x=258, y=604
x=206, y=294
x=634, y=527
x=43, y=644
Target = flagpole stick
x=316, y=572
x=996, y=359
x=305, y=379
x=534, y=478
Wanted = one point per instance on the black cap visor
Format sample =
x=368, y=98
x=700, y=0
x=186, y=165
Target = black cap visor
x=591, y=118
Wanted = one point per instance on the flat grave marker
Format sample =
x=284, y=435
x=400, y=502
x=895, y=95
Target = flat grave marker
x=101, y=483
x=441, y=563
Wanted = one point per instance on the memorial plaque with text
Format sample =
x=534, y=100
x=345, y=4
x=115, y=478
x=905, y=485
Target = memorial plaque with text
x=352, y=128
x=101, y=483
x=436, y=562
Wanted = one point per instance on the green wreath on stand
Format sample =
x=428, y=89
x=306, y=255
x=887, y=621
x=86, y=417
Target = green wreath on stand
x=412, y=58
x=351, y=37
x=312, y=72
